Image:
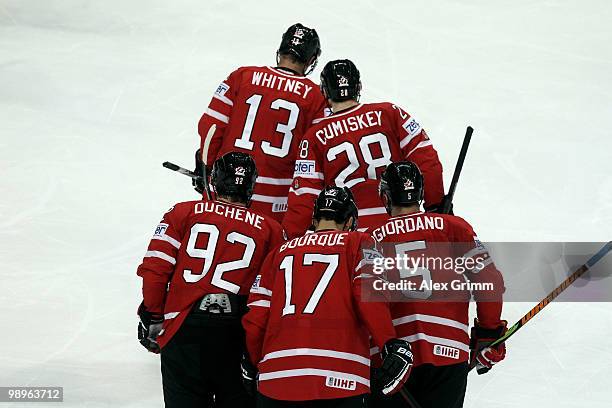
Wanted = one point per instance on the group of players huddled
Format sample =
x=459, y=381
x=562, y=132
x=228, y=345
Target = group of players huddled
x=254, y=297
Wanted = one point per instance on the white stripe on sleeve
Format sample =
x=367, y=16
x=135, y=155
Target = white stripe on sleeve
x=160, y=255
x=217, y=115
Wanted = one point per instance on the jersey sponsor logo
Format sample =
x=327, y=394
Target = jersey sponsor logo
x=412, y=127
x=342, y=383
x=479, y=244
x=222, y=89
x=256, y=282
x=445, y=351
x=160, y=230
x=304, y=168
x=371, y=254
x=279, y=207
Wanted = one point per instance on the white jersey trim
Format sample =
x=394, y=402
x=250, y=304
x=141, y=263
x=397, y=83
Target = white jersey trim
x=424, y=143
x=371, y=211
x=275, y=181
x=303, y=372
x=431, y=319
x=405, y=141
x=283, y=73
x=260, y=303
x=169, y=240
x=304, y=190
x=430, y=339
x=223, y=99
x=262, y=291
x=316, y=352
x=333, y=116
x=269, y=199
x=217, y=115
x=160, y=255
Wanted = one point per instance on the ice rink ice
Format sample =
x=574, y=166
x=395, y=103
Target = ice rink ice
x=95, y=95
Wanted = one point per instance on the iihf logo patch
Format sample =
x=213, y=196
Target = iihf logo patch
x=343, y=81
x=331, y=193
x=240, y=171
x=408, y=185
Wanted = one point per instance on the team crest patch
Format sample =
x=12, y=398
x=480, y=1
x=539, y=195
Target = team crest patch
x=343, y=81
x=408, y=185
x=342, y=383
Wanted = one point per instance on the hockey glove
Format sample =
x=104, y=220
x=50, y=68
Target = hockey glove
x=198, y=184
x=443, y=207
x=149, y=327
x=482, y=356
x=395, y=368
x=249, y=375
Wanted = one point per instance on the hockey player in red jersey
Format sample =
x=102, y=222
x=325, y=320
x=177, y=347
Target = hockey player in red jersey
x=307, y=329
x=351, y=148
x=197, y=271
x=435, y=320
x=264, y=111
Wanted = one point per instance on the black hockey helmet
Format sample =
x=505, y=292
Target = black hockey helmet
x=340, y=81
x=337, y=204
x=233, y=175
x=301, y=42
x=401, y=184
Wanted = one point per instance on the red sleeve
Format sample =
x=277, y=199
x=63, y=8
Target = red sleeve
x=158, y=263
x=255, y=320
x=488, y=303
x=418, y=148
x=375, y=315
x=307, y=184
x=218, y=113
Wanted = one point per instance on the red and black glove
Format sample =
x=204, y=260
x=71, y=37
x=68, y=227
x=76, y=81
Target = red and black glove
x=149, y=327
x=482, y=356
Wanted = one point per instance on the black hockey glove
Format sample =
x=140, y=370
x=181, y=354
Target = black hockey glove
x=396, y=365
x=441, y=206
x=148, y=328
x=198, y=184
x=249, y=375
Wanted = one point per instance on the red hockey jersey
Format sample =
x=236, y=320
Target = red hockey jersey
x=203, y=247
x=307, y=329
x=352, y=149
x=438, y=330
x=262, y=111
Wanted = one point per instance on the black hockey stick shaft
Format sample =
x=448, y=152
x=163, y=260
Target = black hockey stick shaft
x=181, y=170
x=447, y=203
x=412, y=403
x=552, y=295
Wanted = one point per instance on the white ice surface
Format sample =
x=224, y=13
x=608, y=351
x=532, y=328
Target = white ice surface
x=94, y=95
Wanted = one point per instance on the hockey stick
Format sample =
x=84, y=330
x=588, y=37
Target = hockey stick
x=181, y=170
x=552, y=295
x=447, y=202
x=205, y=147
x=446, y=206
